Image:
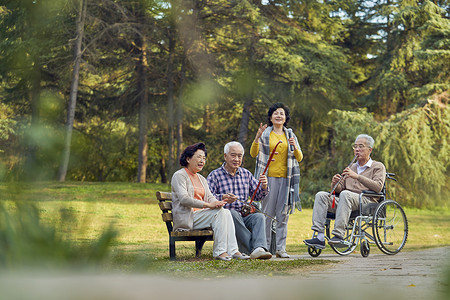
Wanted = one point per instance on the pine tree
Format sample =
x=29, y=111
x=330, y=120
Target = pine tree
x=405, y=68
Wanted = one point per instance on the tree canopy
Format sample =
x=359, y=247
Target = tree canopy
x=155, y=76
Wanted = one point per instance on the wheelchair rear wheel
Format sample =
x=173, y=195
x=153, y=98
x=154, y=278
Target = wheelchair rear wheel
x=390, y=227
x=343, y=249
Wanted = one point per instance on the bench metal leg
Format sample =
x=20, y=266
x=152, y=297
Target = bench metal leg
x=198, y=247
x=172, y=248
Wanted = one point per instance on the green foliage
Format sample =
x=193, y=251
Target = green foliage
x=104, y=151
x=7, y=125
x=45, y=138
x=435, y=52
x=414, y=62
x=419, y=139
x=32, y=48
x=7, y=134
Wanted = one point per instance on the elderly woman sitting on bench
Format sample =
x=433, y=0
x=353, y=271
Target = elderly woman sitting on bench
x=195, y=207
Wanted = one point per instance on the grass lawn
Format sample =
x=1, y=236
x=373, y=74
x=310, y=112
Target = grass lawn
x=142, y=241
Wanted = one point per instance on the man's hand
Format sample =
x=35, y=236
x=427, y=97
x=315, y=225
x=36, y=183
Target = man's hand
x=263, y=180
x=229, y=198
x=336, y=179
x=349, y=173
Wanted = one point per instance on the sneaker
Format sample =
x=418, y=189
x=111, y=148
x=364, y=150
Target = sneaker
x=282, y=254
x=335, y=240
x=260, y=253
x=315, y=243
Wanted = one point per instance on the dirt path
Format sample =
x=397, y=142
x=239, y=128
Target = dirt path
x=407, y=275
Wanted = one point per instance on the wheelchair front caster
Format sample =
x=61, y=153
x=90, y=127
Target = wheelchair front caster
x=365, y=248
x=314, y=252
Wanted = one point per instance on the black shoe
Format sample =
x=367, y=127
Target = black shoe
x=335, y=240
x=315, y=243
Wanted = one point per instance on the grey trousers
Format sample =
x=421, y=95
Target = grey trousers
x=344, y=205
x=274, y=206
x=250, y=231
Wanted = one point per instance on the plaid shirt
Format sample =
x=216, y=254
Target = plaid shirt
x=242, y=184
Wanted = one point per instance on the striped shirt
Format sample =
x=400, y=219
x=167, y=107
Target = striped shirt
x=242, y=184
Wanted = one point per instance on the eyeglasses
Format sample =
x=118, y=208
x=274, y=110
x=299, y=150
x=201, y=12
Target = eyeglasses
x=200, y=157
x=359, y=146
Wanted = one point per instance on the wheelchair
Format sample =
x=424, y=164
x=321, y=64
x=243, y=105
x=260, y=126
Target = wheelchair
x=386, y=219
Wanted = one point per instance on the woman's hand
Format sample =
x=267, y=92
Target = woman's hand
x=215, y=204
x=291, y=141
x=260, y=132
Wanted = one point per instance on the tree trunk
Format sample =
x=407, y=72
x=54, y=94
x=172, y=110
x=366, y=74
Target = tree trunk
x=31, y=166
x=143, y=111
x=170, y=102
x=179, y=132
x=243, y=127
x=162, y=170
x=73, y=92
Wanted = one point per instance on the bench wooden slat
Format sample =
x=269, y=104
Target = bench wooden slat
x=192, y=233
x=163, y=196
x=165, y=206
x=167, y=217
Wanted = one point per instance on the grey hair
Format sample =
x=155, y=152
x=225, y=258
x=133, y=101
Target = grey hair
x=227, y=147
x=369, y=139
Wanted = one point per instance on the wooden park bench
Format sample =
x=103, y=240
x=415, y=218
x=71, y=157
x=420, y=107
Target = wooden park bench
x=199, y=236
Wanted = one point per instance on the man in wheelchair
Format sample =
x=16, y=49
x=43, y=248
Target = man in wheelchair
x=365, y=174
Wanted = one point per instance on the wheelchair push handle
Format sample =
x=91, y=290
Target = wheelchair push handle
x=391, y=176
